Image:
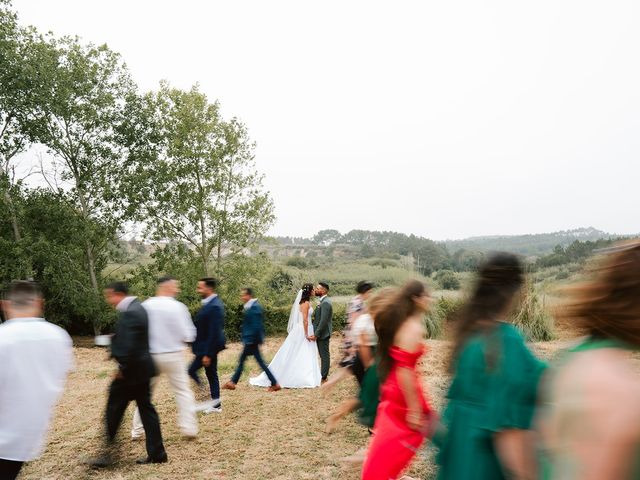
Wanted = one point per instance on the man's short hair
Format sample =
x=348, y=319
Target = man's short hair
x=119, y=287
x=165, y=279
x=23, y=293
x=248, y=291
x=325, y=285
x=210, y=282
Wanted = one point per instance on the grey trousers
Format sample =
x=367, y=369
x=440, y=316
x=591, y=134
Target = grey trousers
x=325, y=358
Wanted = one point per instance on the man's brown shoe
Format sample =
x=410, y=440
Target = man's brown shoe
x=274, y=388
x=229, y=386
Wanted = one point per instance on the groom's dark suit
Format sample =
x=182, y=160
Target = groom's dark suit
x=322, y=328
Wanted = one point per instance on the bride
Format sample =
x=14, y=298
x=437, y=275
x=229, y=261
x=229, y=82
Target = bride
x=296, y=363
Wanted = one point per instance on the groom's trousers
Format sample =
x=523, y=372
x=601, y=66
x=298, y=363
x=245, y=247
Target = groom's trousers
x=325, y=358
x=252, y=350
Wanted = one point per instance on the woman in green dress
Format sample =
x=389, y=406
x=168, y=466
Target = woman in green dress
x=590, y=421
x=485, y=426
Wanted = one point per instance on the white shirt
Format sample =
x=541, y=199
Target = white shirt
x=248, y=305
x=35, y=358
x=170, y=325
x=209, y=298
x=364, y=325
x=322, y=298
x=124, y=303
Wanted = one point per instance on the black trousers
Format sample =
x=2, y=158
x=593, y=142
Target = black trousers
x=325, y=358
x=120, y=394
x=252, y=350
x=9, y=469
x=211, y=372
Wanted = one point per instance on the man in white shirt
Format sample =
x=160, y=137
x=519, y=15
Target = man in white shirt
x=170, y=328
x=35, y=358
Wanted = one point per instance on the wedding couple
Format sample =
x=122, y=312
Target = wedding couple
x=296, y=363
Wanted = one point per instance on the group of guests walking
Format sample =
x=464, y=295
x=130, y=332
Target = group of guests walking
x=508, y=415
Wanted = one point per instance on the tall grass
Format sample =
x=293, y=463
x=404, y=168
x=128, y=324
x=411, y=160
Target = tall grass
x=532, y=317
x=442, y=311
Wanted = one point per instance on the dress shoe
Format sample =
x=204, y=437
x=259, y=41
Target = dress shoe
x=146, y=460
x=229, y=386
x=274, y=388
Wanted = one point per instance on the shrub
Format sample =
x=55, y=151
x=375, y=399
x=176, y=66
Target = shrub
x=447, y=280
x=532, y=317
x=442, y=310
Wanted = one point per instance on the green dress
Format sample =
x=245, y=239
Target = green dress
x=369, y=396
x=484, y=399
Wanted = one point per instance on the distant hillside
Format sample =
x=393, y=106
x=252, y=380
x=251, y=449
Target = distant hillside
x=531, y=244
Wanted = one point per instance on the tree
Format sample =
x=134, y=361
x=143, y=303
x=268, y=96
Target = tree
x=86, y=96
x=327, y=237
x=192, y=175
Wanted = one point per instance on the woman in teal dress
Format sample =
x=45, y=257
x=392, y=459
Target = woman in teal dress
x=485, y=426
x=590, y=419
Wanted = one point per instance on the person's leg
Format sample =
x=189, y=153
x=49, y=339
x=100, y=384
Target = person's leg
x=214, y=381
x=137, y=429
x=150, y=420
x=325, y=359
x=194, y=367
x=334, y=380
x=9, y=469
x=255, y=351
x=346, y=407
x=119, y=397
x=243, y=357
x=174, y=368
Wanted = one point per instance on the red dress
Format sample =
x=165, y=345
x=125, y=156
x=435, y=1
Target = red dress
x=394, y=443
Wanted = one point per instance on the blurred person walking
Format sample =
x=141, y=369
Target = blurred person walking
x=590, y=421
x=252, y=338
x=210, y=340
x=404, y=417
x=350, y=364
x=132, y=380
x=485, y=428
x=35, y=358
x=362, y=344
x=170, y=328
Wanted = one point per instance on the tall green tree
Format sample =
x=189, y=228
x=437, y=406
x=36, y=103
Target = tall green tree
x=192, y=175
x=87, y=93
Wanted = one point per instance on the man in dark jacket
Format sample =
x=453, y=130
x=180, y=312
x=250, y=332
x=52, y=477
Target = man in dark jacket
x=252, y=338
x=210, y=341
x=322, y=327
x=130, y=349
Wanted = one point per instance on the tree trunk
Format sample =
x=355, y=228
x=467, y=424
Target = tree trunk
x=14, y=216
x=89, y=251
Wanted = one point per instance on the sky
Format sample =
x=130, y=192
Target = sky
x=444, y=119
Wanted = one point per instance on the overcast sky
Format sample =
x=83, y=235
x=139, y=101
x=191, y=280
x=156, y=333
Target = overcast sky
x=446, y=119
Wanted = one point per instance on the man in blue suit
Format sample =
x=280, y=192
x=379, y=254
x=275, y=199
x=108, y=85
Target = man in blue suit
x=252, y=338
x=210, y=340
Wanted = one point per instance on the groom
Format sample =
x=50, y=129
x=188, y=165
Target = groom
x=322, y=327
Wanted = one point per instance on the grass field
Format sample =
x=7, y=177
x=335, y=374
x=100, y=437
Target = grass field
x=258, y=436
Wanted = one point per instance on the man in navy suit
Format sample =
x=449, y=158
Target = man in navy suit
x=210, y=340
x=252, y=338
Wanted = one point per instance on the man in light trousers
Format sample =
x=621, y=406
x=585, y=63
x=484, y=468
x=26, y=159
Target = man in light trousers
x=170, y=328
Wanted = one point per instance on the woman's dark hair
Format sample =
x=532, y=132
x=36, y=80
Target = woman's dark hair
x=307, y=290
x=499, y=280
x=363, y=287
x=390, y=309
x=608, y=306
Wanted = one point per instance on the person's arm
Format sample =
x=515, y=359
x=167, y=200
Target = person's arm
x=304, y=311
x=212, y=319
x=409, y=339
x=365, y=351
x=188, y=327
x=516, y=450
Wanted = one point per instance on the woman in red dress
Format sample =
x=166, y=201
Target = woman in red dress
x=403, y=415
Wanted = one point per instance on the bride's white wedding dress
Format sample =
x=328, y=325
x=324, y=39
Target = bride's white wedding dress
x=295, y=365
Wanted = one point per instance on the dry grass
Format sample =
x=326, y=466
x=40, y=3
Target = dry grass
x=259, y=435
